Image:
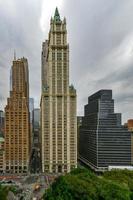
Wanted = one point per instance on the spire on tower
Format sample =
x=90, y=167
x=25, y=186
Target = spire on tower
x=56, y=15
x=14, y=55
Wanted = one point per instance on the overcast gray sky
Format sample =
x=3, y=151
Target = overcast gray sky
x=100, y=34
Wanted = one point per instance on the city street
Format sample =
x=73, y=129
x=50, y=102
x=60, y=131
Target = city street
x=29, y=187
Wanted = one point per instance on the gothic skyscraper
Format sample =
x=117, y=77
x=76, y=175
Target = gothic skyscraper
x=58, y=102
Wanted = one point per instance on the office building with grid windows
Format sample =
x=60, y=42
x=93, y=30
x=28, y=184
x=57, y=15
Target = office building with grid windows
x=103, y=141
x=17, y=120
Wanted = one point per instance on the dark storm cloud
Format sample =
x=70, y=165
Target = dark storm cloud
x=98, y=28
x=100, y=34
x=122, y=76
x=101, y=41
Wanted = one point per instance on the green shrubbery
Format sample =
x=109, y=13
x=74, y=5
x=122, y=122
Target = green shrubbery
x=82, y=184
x=3, y=192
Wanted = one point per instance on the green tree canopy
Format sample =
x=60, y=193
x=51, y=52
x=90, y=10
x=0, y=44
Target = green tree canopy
x=84, y=184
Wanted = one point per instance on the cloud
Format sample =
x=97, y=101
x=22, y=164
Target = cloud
x=20, y=30
x=100, y=34
x=48, y=8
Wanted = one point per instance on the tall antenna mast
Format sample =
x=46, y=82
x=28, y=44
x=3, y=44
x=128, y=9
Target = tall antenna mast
x=14, y=55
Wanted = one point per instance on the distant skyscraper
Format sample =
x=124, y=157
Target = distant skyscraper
x=130, y=124
x=103, y=140
x=36, y=117
x=31, y=109
x=58, y=102
x=79, y=124
x=2, y=117
x=17, y=126
x=36, y=125
x=2, y=153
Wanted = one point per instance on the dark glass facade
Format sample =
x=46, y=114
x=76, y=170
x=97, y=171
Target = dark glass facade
x=103, y=140
x=2, y=118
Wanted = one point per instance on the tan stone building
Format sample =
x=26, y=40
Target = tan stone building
x=17, y=129
x=130, y=124
x=58, y=102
